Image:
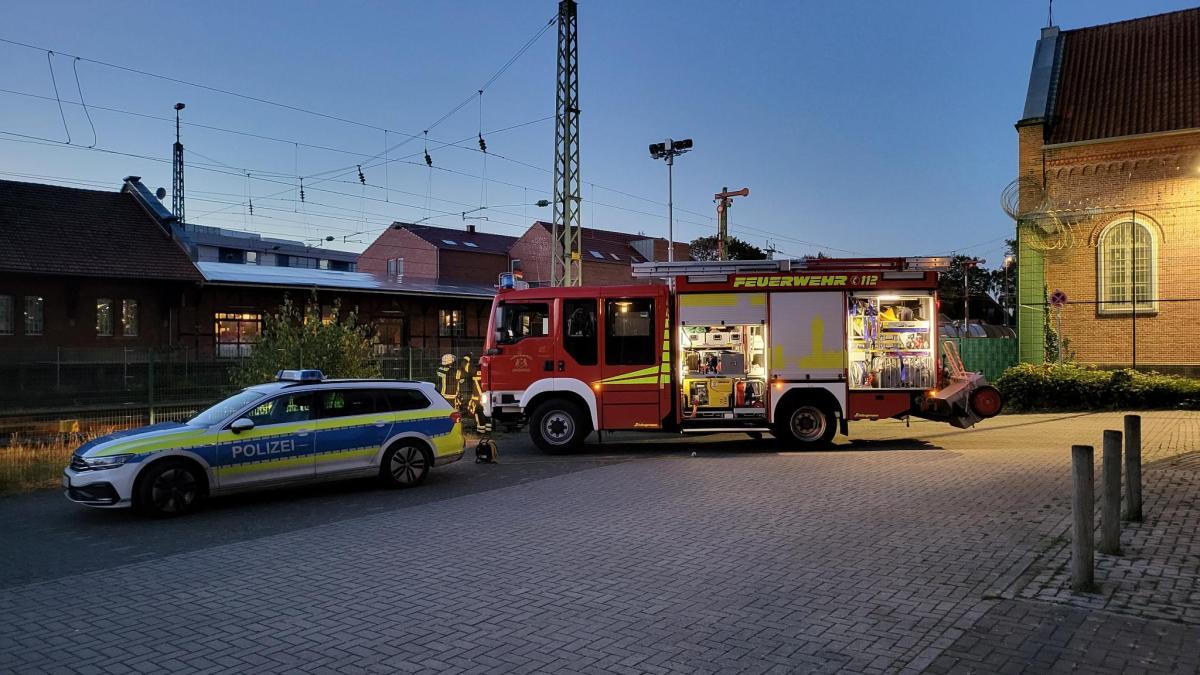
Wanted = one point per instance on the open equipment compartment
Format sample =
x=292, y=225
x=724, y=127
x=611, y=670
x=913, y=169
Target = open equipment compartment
x=722, y=357
x=891, y=341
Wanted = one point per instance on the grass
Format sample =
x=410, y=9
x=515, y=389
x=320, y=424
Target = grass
x=37, y=464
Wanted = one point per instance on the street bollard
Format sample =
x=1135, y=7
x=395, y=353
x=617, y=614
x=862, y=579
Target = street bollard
x=1133, y=468
x=1110, y=494
x=1084, y=521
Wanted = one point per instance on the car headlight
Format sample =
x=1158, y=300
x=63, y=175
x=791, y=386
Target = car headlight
x=108, y=462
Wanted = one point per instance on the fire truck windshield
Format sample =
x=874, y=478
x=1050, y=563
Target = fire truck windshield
x=517, y=321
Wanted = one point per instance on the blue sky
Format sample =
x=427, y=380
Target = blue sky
x=860, y=127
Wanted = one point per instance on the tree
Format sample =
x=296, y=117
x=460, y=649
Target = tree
x=705, y=248
x=296, y=338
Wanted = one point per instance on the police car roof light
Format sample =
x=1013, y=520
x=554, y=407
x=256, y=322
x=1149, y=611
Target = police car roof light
x=299, y=376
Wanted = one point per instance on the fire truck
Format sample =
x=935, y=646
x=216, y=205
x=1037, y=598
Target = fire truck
x=792, y=348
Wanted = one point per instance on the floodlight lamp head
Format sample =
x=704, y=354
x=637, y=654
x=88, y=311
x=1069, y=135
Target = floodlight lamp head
x=179, y=106
x=682, y=146
x=657, y=150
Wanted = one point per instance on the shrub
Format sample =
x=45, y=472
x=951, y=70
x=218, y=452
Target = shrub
x=293, y=338
x=1030, y=386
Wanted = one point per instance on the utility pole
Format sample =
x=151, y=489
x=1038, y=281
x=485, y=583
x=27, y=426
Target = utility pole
x=566, y=260
x=177, y=162
x=724, y=200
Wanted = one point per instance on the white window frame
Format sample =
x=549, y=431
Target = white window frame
x=1109, y=307
x=112, y=317
x=128, y=304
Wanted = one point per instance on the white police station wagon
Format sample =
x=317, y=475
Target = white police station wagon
x=299, y=428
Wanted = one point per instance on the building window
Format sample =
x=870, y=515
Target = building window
x=6, y=315
x=129, y=318
x=304, y=262
x=282, y=260
x=33, y=315
x=251, y=257
x=395, y=267
x=231, y=255
x=323, y=263
x=104, y=317
x=389, y=334
x=341, y=266
x=236, y=333
x=450, y=322
x=1127, y=269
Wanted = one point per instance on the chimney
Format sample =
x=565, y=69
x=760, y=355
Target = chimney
x=471, y=228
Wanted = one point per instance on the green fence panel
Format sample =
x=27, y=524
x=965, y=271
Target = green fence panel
x=990, y=356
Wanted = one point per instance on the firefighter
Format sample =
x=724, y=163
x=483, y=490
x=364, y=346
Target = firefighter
x=466, y=392
x=447, y=381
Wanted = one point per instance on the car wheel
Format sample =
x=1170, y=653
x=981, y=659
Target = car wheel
x=404, y=465
x=169, y=488
x=808, y=424
x=559, y=426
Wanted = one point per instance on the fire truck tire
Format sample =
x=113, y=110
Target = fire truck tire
x=806, y=424
x=558, y=425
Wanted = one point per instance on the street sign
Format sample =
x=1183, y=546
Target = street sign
x=1058, y=299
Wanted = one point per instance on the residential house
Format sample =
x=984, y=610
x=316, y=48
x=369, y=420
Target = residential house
x=407, y=251
x=607, y=255
x=1106, y=194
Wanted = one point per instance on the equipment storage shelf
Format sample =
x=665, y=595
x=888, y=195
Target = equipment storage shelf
x=890, y=341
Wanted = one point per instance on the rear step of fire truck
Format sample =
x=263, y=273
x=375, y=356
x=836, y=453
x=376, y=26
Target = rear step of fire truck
x=966, y=398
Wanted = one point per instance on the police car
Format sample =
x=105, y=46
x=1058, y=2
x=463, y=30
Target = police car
x=302, y=427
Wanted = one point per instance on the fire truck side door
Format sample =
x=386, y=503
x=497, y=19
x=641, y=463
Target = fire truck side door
x=524, y=334
x=580, y=356
x=630, y=391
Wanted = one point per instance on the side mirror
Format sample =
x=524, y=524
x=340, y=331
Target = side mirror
x=494, y=351
x=241, y=424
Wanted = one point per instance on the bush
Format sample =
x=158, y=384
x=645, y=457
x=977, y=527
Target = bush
x=292, y=338
x=1031, y=387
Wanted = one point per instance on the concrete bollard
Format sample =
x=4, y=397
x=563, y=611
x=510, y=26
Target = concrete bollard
x=1083, y=523
x=1133, y=468
x=1110, y=494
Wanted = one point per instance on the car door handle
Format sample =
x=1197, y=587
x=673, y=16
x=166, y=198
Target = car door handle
x=562, y=366
x=302, y=432
x=381, y=424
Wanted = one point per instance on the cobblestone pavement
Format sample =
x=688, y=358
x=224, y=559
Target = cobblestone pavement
x=883, y=555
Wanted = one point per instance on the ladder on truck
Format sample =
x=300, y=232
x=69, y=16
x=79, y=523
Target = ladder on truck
x=717, y=270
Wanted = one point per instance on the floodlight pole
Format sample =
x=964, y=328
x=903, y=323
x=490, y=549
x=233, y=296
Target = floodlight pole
x=667, y=151
x=671, y=207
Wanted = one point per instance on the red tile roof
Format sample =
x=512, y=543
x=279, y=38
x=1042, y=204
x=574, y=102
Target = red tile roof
x=461, y=239
x=1133, y=77
x=50, y=229
x=607, y=244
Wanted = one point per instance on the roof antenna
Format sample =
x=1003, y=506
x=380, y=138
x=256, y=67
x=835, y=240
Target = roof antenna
x=1050, y=15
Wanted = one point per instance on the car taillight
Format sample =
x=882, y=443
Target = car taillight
x=455, y=417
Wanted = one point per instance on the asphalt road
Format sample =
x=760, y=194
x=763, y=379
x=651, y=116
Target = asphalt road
x=43, y=536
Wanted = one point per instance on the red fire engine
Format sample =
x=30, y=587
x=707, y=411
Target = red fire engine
x=794, y=348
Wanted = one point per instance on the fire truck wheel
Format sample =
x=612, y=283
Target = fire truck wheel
x=558, y=426
x=808, y=424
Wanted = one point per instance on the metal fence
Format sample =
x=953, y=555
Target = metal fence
x=84, y=390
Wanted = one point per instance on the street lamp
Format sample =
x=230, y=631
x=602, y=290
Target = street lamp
x=667, y=150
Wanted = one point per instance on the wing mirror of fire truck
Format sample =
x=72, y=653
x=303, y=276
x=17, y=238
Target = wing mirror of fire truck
x=494, y=351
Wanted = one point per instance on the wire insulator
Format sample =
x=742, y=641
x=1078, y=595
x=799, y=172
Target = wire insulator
x=361, y=178
x=301, y=189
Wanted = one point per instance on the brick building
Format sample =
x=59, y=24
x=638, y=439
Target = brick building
x=1107, y=196
x=108, y=272
x=427, y=253
x=607, y=255
x=87, y=269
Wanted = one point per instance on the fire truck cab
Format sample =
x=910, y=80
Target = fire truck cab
x=794, y=348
